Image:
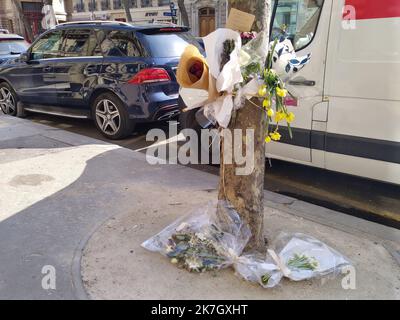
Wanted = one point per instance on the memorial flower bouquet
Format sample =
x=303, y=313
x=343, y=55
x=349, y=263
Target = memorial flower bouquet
x=242, y=66
x=208, y=241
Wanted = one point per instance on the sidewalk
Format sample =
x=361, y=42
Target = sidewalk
x=64, y=195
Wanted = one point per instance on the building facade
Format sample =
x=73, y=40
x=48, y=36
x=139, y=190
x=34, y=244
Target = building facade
x=204, y=15
x=142, y=11
x=32, y=10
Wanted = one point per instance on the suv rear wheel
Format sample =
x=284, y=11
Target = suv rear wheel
x=111, y=117
x=8, y=99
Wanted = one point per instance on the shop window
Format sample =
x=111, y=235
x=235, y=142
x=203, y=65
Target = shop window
x=146, y=3
x=119, y=4
x=105, y=5
x=164, y=3
x=79, y=6
x=92, y=5
x=133, y=3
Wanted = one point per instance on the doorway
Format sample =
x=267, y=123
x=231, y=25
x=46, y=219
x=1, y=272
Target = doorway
x=206, y=21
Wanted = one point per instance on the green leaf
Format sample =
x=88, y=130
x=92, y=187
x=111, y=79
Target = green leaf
x=265, y=279
x=302, y=262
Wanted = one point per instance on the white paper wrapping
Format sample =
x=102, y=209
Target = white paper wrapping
x=221, y=109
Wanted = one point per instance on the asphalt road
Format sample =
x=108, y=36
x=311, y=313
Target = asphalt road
x=371, y=200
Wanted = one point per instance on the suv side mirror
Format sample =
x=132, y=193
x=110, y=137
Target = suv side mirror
x=24, y=57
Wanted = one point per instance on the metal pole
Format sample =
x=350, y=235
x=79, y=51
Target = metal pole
x=92, y=11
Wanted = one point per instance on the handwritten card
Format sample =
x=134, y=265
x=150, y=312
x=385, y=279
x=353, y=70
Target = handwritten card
x=240, y=20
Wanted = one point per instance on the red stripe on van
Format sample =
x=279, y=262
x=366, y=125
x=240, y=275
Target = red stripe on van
x=375, y=9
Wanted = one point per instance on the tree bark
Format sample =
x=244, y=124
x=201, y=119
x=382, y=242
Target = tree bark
x=245, y=193
x=182, y=9
x=127, y=10
x=28, y=29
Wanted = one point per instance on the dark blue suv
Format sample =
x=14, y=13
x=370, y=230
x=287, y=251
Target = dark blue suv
x=116, y=73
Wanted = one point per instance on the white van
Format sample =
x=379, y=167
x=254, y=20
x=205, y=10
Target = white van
x=348, y=106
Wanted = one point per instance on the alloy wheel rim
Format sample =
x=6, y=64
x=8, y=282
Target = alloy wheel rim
x=7, y=102
x=108, y=117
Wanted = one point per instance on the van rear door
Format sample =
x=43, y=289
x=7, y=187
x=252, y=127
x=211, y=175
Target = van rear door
x=362, y=84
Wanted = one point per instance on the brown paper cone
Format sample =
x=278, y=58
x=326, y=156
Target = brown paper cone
x=190, y=56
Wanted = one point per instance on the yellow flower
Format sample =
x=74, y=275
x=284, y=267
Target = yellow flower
x=262, y=92
x=268, y=139
x=174, y=261
x=266, y=103
x=281, y=92
x=290, y=117
x=276, y=136
x=270, y=113
x=280, y=116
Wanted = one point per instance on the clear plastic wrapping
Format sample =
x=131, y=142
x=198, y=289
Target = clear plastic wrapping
x=307, y=257
x=204, y=240
x=215, y=237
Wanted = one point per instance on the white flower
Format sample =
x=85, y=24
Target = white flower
x=194, y=264
x=201, y=236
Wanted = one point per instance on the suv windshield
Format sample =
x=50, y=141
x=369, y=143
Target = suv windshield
x=168, y=45
x=13, y=46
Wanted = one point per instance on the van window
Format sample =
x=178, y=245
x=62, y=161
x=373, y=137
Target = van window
x=48, y=46
x=300, y=19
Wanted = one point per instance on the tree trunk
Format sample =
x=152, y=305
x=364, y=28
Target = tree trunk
x=28, y=29
x=245, y=193
x=182, y=9
x=127, y=10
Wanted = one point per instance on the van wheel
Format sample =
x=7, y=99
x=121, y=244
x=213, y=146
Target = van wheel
x=8, y=99
x=111, y=117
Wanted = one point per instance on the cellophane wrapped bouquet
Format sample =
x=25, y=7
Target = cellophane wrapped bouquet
x=214, y=237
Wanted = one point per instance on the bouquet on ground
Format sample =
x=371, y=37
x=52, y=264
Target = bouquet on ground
x=297, y=257
x=203, y=240
x=215, y=237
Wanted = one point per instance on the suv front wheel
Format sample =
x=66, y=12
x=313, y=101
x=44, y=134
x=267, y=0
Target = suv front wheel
x=8, y=100
x=111, y=117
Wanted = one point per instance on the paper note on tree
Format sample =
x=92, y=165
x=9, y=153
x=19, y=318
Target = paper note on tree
x=240, y=20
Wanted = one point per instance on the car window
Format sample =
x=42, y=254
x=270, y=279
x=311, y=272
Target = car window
x=299, y=18
x=48, y=46
x=120, y=44
x=78, y=43
x=168, y=45
x=8, y=47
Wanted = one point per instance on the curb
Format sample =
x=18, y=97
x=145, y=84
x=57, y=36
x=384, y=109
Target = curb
x=79, y=289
